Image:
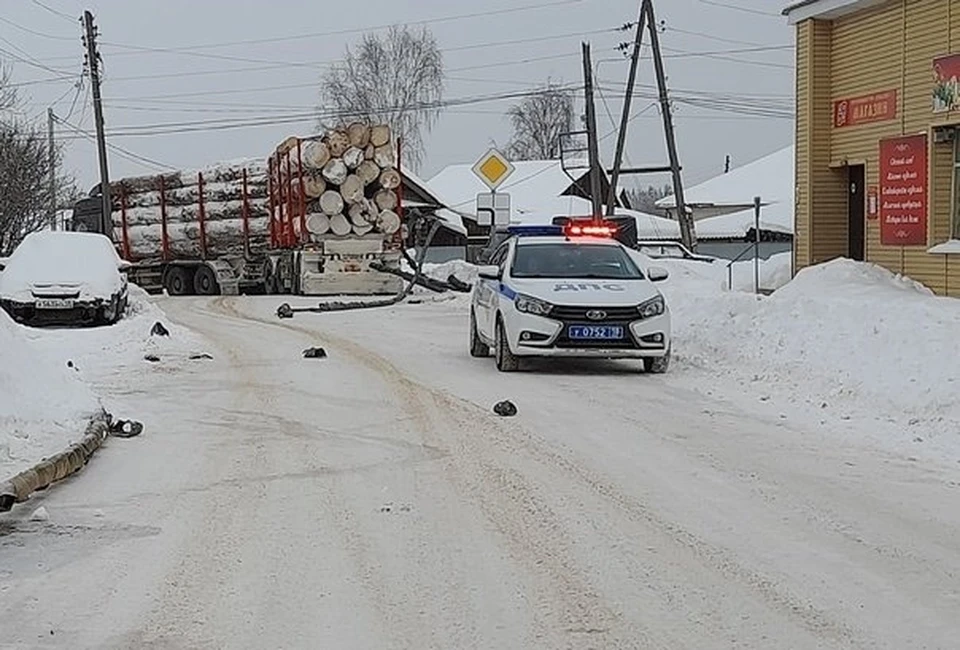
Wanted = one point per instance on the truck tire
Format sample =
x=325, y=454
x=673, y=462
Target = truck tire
x=178, y=281
x=507, y=361
x=478, y=348
x=657, y=365
x=205, y=282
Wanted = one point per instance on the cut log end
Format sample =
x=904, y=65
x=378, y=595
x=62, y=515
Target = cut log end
x=390, y=179
x=380, y=135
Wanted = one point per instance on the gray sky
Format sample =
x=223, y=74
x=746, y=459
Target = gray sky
x=709, y=49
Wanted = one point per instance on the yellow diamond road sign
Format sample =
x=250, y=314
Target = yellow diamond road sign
x=493, y=169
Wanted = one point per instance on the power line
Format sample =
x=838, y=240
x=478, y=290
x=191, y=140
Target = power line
x=725, y=5
x=34, y=32
x=55, y=12
x=120, y=151
x=719, y=39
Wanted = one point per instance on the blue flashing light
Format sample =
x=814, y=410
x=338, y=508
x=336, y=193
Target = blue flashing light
x=535, y=231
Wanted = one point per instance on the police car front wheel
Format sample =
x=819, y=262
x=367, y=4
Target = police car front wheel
x=507, y=361
x=657, y=365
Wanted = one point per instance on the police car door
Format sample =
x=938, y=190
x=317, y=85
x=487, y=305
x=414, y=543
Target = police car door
x=490, y=296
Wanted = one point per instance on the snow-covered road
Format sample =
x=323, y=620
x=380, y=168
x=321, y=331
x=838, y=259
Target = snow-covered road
x=372, y=500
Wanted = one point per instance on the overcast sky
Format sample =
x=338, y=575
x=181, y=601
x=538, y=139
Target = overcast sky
x=729, y=64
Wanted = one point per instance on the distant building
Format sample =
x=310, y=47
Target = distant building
x=878, y=159
x=723, y=207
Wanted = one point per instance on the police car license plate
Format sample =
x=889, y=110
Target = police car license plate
x=595, y=332
x=54, y=303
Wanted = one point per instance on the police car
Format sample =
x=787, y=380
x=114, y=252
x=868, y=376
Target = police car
x=568, y=291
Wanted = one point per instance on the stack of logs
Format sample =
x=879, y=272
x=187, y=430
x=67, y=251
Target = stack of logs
x=142, y=202
x=349, y=178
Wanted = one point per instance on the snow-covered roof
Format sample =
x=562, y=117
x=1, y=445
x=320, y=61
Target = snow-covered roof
x=771, y=178
x=776, y=218
x=450, y=216
x=532, y=183
x=826, y=9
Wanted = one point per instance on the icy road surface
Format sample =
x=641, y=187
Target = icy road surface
x=372, y=500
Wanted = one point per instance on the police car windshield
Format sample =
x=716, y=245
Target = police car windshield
x=566, y=260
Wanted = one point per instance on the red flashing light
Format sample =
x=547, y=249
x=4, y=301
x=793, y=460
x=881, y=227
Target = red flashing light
x=589, y=229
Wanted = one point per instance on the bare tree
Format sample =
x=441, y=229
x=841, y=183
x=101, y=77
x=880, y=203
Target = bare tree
x=538, y=121
x=645, y=200
x=24, y=172
x=395, y=78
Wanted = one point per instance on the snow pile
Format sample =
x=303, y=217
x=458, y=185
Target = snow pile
x=45, y=409
x=844, y=338
x=461, y=269
x=44, y=405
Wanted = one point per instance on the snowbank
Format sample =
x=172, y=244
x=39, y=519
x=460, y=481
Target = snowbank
x=44, y=405
x=843, y=339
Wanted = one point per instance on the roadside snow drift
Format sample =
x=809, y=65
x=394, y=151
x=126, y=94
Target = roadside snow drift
x=43, y=404
x=842, y=338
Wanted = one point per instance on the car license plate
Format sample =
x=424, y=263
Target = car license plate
x=54, y=303
x=595, y=332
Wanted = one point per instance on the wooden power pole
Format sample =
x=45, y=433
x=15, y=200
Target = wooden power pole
x=688, y=231
x=52, y=163
x=593, y=146
x=94, y=63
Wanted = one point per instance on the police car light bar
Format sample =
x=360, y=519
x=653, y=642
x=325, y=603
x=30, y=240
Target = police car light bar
x=589, y=228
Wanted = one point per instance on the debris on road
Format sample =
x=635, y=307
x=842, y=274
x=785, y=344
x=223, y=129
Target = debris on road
x=152, y=358
x=314, y=353
x=202, y=355
x=40, y=514
x=505, y=409
x=126, y=428
x=159, y=330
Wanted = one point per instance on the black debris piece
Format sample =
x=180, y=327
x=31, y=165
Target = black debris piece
x=159, y=330
x=152, y=358
x=202, y=355
x=506, y=409
x=126, y=428
x=314, y=353
x=284, y=311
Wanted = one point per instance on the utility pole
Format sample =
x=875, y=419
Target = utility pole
x=52, y=164
x=687, y=230
x=93, y=62
x=625, y=118
x=726, y=165
x=593, y=147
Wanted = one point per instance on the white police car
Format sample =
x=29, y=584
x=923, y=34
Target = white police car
x=570, y=291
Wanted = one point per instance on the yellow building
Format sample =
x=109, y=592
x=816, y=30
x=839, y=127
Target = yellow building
x=878, y=148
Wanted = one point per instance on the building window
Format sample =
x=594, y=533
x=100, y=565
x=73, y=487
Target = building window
x=956, y=186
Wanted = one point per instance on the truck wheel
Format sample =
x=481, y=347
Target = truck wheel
x=657, y=365
x=205, y=282
x=478, y=348
x=507, y=361
x=177, y=282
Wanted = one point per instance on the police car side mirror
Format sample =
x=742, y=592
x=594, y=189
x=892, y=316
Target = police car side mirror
x=657, y=274
x=489, y=273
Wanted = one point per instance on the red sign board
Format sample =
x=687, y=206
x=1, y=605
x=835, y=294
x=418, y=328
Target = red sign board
x=903, y=191
x=866, y=109
x=946, y=91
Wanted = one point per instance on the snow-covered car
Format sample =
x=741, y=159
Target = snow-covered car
x=671, y=250
x=570, y=291
x=64, y=278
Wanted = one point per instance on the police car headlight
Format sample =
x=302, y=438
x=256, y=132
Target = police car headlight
x=531, y=305
x=653, y=307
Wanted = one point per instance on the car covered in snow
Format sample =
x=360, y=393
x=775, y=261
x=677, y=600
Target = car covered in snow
x=64, y=278
x=568, y=291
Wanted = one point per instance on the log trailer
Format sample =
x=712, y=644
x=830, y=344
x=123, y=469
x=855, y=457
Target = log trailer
x=252, y=228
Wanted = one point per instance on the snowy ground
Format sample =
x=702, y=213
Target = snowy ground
x=371, y=499
x=52, y=380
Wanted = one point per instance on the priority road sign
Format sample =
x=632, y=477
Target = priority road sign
x=493, y=169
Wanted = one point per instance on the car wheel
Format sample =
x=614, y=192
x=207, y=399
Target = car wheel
x=478, y=348
x=657, y=365
x=507, y=361
x=178, y=281
x=109, y=313
x=205, y=282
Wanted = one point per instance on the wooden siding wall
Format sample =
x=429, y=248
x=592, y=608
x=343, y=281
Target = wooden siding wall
x=891, y=46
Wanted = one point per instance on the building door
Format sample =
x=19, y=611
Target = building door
x=856, y=203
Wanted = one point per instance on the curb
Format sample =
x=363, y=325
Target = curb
x=56, y=468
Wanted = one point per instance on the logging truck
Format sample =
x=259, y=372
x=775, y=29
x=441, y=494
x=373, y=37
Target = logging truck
x=309, y=220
